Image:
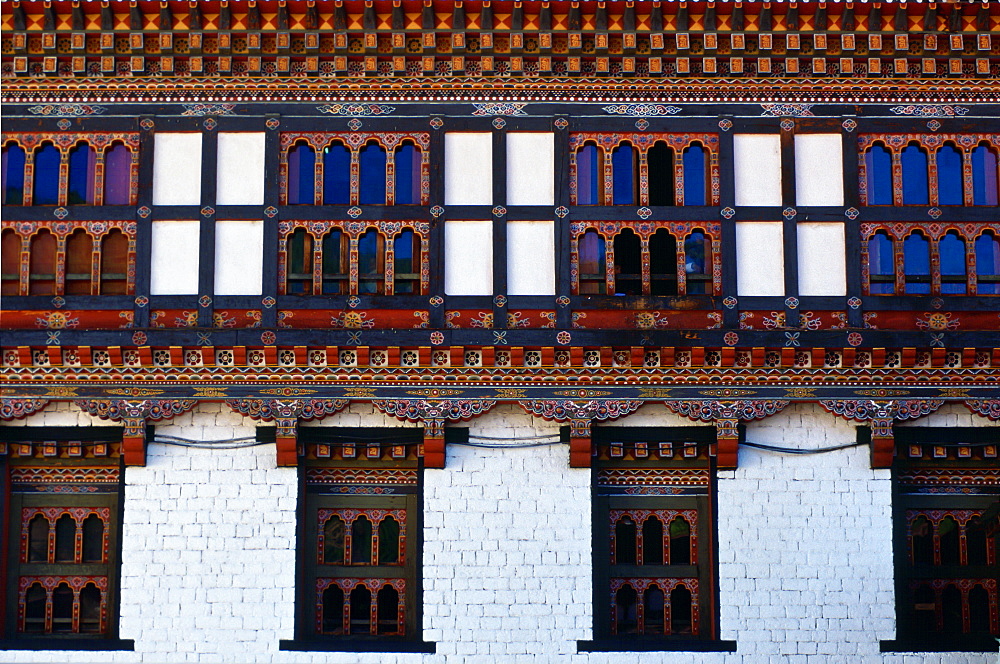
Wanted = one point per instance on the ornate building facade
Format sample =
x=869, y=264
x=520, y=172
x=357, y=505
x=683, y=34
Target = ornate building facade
x=472, y=330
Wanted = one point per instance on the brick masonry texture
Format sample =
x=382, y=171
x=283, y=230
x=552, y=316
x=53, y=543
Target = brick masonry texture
x=805, y=565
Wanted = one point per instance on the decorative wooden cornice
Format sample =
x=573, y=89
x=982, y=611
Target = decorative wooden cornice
x=988, y=408
x=433, y=414
x=880, y=415
x=134, y=415
x=15, y=409
x=286, y=413
x=580, y=413
x=726, y=415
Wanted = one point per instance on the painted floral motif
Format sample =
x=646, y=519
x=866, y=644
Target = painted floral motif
x=785, y=110
x=66, y=109
x=930, y=110
x=938, y=321
x=499, y=108
x=351, y=320
x=56, y=320
x=209, y=109
x=356, y=109
x=642, y=110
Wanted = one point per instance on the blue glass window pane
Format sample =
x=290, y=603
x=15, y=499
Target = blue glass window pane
x=336, y=175
x=301, y=175
x=623, y=170
x=694, y=176
x=988, y=264
x=949, y=165
x=592, y=263
x=334, y=275
x=880, y=264
x=405, y=269
x=914, y=163
x=372, y=161
x=408, y=175
x=952, y=254
x=47, y=176
x=368, y=263
x=82, y=163
x=118, y=176
x=13, y=175
x=917, y=264
x=587, y=176
x=878, y=164
x=984, y=176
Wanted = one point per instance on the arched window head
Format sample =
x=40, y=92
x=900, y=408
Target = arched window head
x=333, y=610
x=628, y=263
x=914, y=164
x=663, y=263
x=388, y=611
x=372, y=161
x=299, y=261
x=361, y=601
x=371, y=275
x=42, y=273
x=985, y=176
x=13, y=174
x=46, y=175
x=698, y=263
x=949, y=175
x=82, y=175
x=79, y=262
x=336, y=175
x=10, y=263
x=660, y=160
x=988, y=264
x=878, y=169
x=917, y=264
x=593, y=264
x=696, y=185
x=118, y=175
x=624, y=175
x=881, y=265
x=114, y=263
x=361, y=541
x=406, y=268
x=589, y=175
x=625, y=541
x=407, y=185
x=301, y=175
x=335, y=259
x=952, y=255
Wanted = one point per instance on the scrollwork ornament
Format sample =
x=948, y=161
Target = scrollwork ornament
x=267, y=410
x=16, y=409
x=596, y=409
x=988, y=408
x=422, y=410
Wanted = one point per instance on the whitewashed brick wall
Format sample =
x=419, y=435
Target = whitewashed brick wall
x=805, y=568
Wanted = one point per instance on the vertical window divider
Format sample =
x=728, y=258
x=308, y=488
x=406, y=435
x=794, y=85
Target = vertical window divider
x=562, y=224
x=500, y=227
x=789, y=227
x=852, y=164
x=206, y=229
x=436, y=240
x=272, y=165
x=144, y=225
x=727, y=199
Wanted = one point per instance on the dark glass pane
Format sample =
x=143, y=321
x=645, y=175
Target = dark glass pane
x=922, y=541
x=628, y=264
x=34, y=609
x=952, y=254
x=372, y=160
x=914, y=163
x=82, y=165
x=114, y=263
x=680, y=610
x=976, y=543
x=388, y=541
x=90, y=609
x=10, y=263
x=949, y=166
x=93, y=539
x=626, y=610
x=680, y=542
x=333, y=610
x=65, y=539
x=592, y=263
x=405, y=271
x=695, y=182
x=388, y=611
x=984, y=176
x=370, y=277
x=623, y=175
x=13, y=175
x=407, y=175
x=298, y=275
x=79, y=262
x=361, y=541
x=948, y=535
x=924, y=606
x=301, y=175
x=988, y=264
x=951, y=610
x=653, y=611
x=979, y=610
x=878, y=164
x=588, y=176
x=661, y=174
x=62, y=608
x=334, y=262
x=336, y=175
x=38, y=540
x=698, y=263
x=46, y=184
x=917, y=264
x=652, y=541
x=663, y=263
x=361, y=611
x=625, y=541
x=881, y=267
x=334, y=534
x=118, y=176
x=43, y=264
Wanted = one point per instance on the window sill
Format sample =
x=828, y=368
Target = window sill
x=635, y=645
x=56, y=643
x=985, y=643
x=356, y=645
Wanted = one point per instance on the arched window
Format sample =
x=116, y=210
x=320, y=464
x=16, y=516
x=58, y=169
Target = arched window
x=917, y=264
x=333, y=610
x=878, y=169
x=371, y=276
x=663, y=263
x=979, y=610
x=118, y=175
x=13, y=174
x=372, y=160
x=114, y=263
x=951, y=610
x=624, y=180
x=46, y=176
x=592, y=263
x=42, y=273
x=652, y=617
x=407, y=185
x=914, y=164
x=10, y=263
x=625, y=541
x=952, y=256
x=335, y=260
x=361, y=541
x=589, y=174
x=695, y=175
x=93, y=539
x=984, y=176
x=299, y=257
x=388, y=541
x=628, y=263
x=405, y=269
x=660, y=159
x=62, y=608
x=922, y=541
x=65, y=539
x=301, y=175
x=652, y=541
x=626, y=610
x=948, y=536
x=361, y=607
x=881, y=266
x=90, y=609
x=82, y=167
x=34, y=609
x=38, y=539
x=988, y=264
x=698, y=263
x=79, y=262
x=949, y=175
x=336, y=175
x=680, y=611
x=334, y=533
x=680, y=542
x=388, y=610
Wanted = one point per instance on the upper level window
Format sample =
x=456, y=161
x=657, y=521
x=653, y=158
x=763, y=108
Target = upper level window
x=387, y=168
x=353, y=257
x=644, y=169
x=68, y=169
x=933, y=169
x=651, y=258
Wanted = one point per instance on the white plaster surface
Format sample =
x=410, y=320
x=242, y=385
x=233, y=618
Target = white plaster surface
x=822, y=259
x=805, y=565
x=240, y=168
x=468, y=168
x=760, y=258
x=530, y=168
x=819, y=169
x=468, y=257
x=174, y=269
x=531, y=252
x=757, y=165
x=177, y=168
x=239, y=257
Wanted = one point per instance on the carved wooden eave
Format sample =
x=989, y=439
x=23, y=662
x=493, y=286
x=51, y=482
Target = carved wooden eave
x=134, y=415
x=433, y=414
x=286, y=414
